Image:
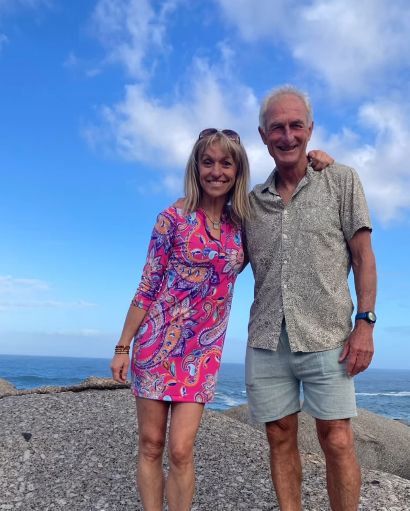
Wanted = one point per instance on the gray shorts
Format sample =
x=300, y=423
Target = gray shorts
x=274, y=380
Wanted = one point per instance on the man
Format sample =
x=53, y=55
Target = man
x=306, y=231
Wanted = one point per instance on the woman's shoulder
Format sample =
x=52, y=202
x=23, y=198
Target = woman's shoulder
x=176, y=212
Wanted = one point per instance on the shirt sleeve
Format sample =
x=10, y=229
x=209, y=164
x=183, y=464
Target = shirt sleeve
x=354, y=211
x=159, y=250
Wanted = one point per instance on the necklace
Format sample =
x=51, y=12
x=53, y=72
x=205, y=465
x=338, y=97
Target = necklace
x=215, y=224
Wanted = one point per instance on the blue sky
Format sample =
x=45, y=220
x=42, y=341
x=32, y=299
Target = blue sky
x=101, y=101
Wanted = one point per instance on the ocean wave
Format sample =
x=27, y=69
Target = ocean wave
x=228, y=400
x=403, y=393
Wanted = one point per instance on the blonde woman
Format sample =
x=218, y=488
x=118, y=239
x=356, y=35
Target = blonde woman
x=179, y=315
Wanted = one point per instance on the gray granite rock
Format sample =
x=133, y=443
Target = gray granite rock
x=382, y=444
x=93, y=382
x=6, y=388
x=76, y=451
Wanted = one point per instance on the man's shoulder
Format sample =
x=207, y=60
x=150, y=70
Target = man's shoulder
x=341, y=170
x=261, y=187
x=258, y=189
x=339, y=174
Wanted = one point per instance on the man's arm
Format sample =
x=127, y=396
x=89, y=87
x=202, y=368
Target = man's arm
x=359, y=346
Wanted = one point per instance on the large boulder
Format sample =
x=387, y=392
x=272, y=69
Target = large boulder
x=6, y=388
x=382, y=444
x=76, y=451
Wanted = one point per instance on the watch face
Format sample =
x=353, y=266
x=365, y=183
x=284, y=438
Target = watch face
x=372, y=316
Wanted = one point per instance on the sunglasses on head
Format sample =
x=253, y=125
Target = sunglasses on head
x=231, y=134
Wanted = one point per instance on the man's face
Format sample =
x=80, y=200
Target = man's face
x=287, y=132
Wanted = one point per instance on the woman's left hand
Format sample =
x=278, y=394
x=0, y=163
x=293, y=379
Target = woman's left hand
x=319, y=159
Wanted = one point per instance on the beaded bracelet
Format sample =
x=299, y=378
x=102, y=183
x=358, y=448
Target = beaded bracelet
x=122, y=350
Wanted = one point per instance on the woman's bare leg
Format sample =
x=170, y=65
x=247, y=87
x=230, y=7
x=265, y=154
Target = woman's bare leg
x=180, y=486
x=152, y=425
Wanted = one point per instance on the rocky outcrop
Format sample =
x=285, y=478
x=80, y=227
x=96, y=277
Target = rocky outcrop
x=92, y=383
x=382, y=444
x=76, y=451
x=6, y=388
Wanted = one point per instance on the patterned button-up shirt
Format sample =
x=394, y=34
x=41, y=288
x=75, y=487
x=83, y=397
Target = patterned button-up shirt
x=301, y=260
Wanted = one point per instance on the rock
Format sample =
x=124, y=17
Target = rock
x=90, y=383
x=6, y=388
x=382, y=444
x=78, y=452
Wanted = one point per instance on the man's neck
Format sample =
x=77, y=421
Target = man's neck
x=287, y=179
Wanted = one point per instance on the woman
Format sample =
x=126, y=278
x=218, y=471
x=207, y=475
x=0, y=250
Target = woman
x=180, y=312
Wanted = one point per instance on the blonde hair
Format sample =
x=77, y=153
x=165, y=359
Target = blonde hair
x=283, y=91
x=238, y=196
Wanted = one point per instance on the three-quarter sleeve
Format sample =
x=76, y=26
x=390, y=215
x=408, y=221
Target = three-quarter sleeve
x=159, y=251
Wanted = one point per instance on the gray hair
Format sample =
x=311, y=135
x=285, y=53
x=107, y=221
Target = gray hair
x=282, y=91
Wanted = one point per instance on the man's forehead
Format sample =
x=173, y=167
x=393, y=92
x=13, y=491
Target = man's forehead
x=286, y=105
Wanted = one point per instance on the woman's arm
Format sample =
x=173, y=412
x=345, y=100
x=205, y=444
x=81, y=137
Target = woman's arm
x=120, y=363
x=157, y=259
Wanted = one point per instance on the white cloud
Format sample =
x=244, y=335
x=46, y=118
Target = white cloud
x=8, y=6
x=130, y=30
x=23, y=293
x=383, y=164
x=146, y=128
x=161, y=134
x=10, y=285
x=351, y=45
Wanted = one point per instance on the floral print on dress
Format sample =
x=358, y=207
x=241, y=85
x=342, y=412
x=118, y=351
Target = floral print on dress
x=186, y=289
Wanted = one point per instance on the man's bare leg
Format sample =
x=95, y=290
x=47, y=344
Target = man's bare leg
x=152, y=425
x=342, y=469
x=286, y=467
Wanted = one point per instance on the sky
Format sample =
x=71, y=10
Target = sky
x=100, y=104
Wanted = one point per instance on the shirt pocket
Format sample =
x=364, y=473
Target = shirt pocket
x=320, y=218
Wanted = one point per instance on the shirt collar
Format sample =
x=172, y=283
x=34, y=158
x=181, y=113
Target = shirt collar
x=270, y=183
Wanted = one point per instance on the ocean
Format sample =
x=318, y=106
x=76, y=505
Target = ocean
x=382, y=391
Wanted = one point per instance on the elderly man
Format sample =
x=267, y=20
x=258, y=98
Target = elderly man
x=306, y=231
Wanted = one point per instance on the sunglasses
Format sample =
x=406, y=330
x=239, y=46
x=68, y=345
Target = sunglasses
x=231, y=134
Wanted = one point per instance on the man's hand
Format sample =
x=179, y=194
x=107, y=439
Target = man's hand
x=179, y=203
x=319, y=159
x=358, y=349
x=119, y=367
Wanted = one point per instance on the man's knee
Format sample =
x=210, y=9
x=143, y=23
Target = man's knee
x=282, y=432
x=335, y=436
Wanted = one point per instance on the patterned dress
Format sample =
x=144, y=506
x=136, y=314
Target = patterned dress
x=186, y=289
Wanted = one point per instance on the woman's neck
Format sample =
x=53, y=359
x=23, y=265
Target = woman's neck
x=213, y=207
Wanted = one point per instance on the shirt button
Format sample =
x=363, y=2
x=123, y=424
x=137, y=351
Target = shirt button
x=285, y=261
x=285, y=286
x=285, y=236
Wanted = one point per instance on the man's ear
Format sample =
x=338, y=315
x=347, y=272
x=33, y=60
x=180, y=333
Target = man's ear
x=262, y=134
x=311, y=130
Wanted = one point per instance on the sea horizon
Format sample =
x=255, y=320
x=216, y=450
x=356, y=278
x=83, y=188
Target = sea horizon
x=223, y=361
x=382, y=391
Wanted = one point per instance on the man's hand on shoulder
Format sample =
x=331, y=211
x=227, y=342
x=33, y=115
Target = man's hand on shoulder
x=179, y=203
x=359, y=349
x=319, y=159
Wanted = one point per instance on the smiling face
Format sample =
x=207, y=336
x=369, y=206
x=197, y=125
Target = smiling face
x=287, y=131
x=217, y=173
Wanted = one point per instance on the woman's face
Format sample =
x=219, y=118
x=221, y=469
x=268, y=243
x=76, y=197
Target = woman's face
x=217, y=172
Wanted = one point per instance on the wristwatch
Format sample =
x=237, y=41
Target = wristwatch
x=368, y=316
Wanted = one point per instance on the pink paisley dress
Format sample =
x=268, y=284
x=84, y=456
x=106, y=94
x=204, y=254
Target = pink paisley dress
x=186, y=289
